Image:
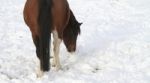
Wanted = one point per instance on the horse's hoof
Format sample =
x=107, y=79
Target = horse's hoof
x=58, y=68
x=39, y=73
x=53, y=64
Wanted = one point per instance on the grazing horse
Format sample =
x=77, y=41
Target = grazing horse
x=44, y=17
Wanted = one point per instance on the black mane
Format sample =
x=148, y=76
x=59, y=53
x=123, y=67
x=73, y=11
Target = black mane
x=73, y=25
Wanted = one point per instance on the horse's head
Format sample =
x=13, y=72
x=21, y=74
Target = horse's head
x=70, y=36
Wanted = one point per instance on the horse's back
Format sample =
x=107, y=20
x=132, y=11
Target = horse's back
x=60, y=15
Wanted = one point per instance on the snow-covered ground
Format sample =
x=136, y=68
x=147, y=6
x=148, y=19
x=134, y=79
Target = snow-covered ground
x=114, y=46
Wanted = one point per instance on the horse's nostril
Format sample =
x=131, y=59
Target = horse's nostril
x=74, y=49
x=71, y=50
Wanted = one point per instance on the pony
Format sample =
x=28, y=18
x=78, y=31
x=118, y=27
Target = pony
x=44, y=17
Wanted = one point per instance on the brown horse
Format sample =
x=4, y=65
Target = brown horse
x=44, y=17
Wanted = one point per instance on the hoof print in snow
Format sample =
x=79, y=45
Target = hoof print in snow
x=66, y=68
x=96, y=70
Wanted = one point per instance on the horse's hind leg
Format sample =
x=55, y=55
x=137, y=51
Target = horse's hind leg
x=56, y=42
x=36, y=43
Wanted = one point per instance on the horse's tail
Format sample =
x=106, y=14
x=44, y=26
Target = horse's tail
x=45, y=24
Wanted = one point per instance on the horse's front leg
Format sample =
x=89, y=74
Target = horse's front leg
x=56, y=43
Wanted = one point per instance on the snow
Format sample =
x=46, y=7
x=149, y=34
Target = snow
x=114, y=46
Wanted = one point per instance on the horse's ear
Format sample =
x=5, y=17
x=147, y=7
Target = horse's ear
x=80, y=24
x=79, y=28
